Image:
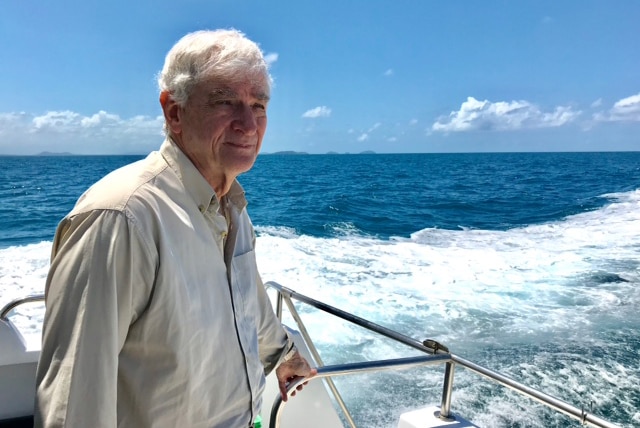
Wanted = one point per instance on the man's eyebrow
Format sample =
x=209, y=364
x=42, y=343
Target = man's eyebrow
x=219, y=93
x=262, y=96
x=222, y=93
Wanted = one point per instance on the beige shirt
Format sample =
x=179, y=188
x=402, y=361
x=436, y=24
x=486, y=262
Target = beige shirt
x=151, y=320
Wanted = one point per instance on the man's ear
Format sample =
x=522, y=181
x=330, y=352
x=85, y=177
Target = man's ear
x=172, y=113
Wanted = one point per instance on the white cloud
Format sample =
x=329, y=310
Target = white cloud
x=58, y=120
x=68, y=131
x=271, y=58
x=102, y=118
x=321, y=111
x=374, y=127
x=10, y=122
x=364, y=135
x=389, y=72
x=597, y=103
x=624, y=110
x=477, y=115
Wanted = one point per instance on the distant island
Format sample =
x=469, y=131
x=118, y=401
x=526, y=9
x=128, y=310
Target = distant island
x=287, y=152
x=293, y=152
x=54, y=154
x=366, y=152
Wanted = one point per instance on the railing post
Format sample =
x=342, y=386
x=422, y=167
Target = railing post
x=447, y=388
x=316, y=355
x=279, y=305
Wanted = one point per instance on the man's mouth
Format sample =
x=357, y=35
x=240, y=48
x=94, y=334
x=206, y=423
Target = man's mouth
x=241, y=145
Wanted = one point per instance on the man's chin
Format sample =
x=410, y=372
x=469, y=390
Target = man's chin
x=242, y=164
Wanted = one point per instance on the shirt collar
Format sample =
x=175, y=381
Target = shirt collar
x=195, y=184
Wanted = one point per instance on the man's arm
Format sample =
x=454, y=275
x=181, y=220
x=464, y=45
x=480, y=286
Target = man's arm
x=97, y=286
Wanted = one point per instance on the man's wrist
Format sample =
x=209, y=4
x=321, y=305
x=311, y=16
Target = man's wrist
x=290, y=354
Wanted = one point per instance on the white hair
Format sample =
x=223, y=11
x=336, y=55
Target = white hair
x=227, y=55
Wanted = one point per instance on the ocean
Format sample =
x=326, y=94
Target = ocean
x=527, y=263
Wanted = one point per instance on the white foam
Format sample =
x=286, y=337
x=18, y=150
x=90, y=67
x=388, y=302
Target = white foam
x=23, y=271
x=473, y=289
x=467, y=288
x=467, y=284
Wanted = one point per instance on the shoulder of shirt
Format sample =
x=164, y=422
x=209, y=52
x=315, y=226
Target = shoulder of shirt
x=119, y=188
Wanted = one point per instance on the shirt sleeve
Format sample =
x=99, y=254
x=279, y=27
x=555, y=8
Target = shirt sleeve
x=273, y=339
x=99, y=283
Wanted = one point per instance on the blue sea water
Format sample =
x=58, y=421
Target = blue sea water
x=528, y=263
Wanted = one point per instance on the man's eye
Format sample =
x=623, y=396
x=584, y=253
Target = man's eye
x=259, y=106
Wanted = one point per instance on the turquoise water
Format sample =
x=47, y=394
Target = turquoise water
x=527, y=263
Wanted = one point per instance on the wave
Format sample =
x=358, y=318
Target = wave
x=553, y=304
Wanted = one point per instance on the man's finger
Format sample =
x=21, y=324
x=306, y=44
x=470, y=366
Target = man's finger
x=283, y=391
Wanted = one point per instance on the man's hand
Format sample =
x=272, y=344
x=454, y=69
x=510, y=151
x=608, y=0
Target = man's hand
x=292, y=370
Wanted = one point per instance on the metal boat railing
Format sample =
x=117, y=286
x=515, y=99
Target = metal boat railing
x=436, y=354
x=6, y=309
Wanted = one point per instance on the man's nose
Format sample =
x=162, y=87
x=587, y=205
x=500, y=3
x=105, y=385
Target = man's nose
x=245, y=120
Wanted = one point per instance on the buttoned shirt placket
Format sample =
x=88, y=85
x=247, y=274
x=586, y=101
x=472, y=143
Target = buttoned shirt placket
x=218, y=219
x=218, y=224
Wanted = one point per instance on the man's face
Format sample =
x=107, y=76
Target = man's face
x=222, y=125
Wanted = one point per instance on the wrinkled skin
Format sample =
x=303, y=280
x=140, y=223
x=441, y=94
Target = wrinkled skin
x=291, y=371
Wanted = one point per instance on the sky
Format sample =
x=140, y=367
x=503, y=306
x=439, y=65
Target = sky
x=413, y=76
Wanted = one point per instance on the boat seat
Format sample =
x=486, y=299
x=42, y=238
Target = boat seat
x=17, y=378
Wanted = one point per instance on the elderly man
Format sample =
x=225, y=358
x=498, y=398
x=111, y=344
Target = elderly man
x=156, y=314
